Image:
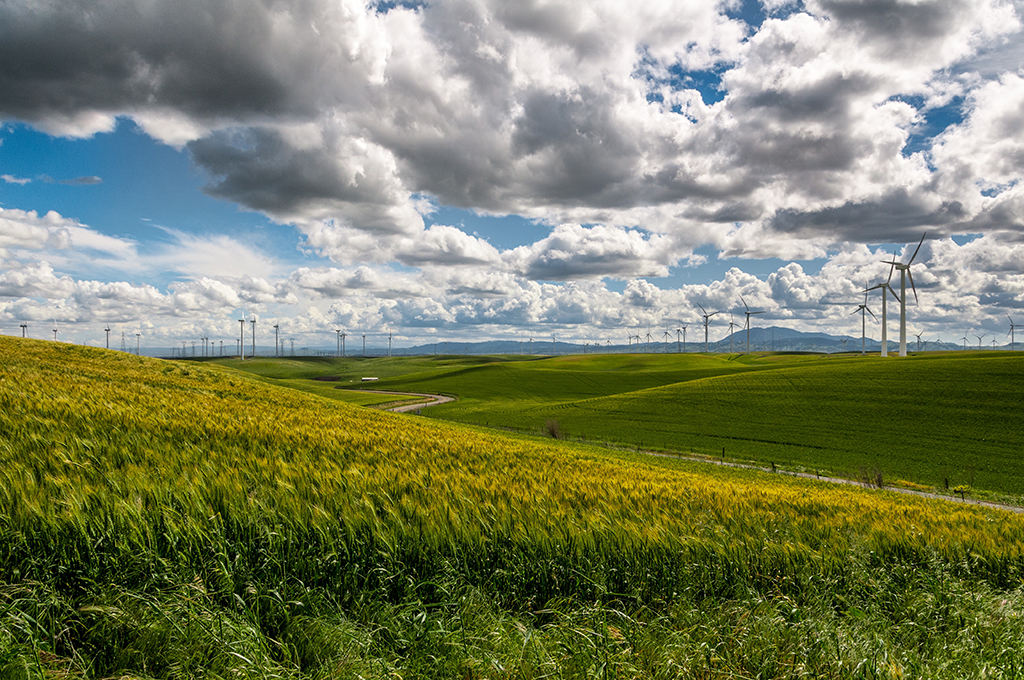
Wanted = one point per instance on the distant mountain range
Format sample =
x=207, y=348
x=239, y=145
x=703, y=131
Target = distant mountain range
x=773, y=338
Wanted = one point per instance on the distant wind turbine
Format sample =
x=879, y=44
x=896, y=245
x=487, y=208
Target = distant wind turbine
x=918, y=336
x=106, y=329
x=241, y=339
x=965, y=341
x=277, y=343
x=904, y=270
x=138, y=344
x=253, y=322
x=24, y=332
x=863, y=335
x=707, y=321
x=667, y=336
x=732, y=325
x=979, y=337
x=1012, y=327
x=749, y=314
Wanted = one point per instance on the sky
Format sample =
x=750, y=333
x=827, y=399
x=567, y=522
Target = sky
x=469, y=170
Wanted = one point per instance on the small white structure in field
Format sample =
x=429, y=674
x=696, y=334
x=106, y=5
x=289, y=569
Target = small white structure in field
x=369, y=379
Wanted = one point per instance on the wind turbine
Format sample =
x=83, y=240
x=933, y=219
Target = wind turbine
x=864, y=308
x=979, y=337
x=647, y=347
x=138, y=344
x=338, y=350
x=904, y=270
x=678, y=331
x=885, y=287
x=552, y=345
x=24, y=331
x=965, y=341
x=1012, y=327
x=241, y=339
x=106, y=329
x=55, y=330
x=364, y=344
x=918, y=336
x=732, y=325
x=667, y=336
x=277, y=327
x=707, y=321
x=389, y=342
x=749, y=314
x=253, y=322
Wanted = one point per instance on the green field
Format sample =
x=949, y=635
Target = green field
x=180, y=520
x=931, y=419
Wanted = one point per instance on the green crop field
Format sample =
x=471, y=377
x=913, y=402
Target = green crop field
x=180, y=520
x=930, y=420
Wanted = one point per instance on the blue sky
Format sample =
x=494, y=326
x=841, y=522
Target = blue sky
x=480, y=168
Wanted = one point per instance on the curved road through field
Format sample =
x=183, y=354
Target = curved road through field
x=434, y=400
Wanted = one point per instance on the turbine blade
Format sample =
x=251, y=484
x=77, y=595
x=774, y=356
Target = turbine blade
x=871, y=313
x=918, y=248
x=912, y=286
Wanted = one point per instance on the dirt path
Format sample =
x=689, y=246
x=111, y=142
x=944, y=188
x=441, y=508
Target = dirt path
x=432, y=400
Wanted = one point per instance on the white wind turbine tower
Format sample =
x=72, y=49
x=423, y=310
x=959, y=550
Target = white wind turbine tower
x=707, y=321
x=667, y=336
x=681, y=329
x=965, y=340
x=749, y=314
x=885, y=287
x=55, y=330
x=277, y=328
x=241, y=338
x=979, y=337
x=337, y=352
x=138, y=344
x=1012, y=327
x=918, y=336
x=863, y=333
x=24, y=332
x=106, y=329
x=732, y=325
x=904, y=270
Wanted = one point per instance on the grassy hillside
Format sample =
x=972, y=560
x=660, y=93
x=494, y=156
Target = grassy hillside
x=166, y=519
x=925, y=419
